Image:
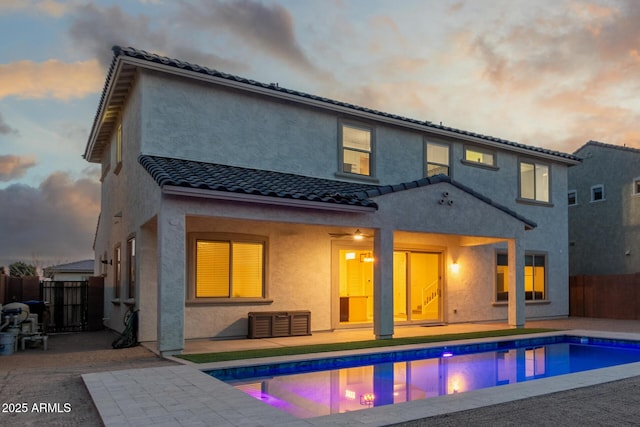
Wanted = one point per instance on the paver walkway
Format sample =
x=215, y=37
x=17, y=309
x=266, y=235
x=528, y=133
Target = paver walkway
x=182, y=395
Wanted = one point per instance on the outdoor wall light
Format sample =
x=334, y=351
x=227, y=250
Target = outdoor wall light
x=455, y=267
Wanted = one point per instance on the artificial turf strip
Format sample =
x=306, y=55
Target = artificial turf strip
x=355, y=345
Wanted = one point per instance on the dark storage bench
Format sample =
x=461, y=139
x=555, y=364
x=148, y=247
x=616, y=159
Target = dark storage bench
x=271, y=324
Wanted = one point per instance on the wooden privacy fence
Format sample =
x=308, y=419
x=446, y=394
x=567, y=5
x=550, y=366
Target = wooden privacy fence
x=609, y=297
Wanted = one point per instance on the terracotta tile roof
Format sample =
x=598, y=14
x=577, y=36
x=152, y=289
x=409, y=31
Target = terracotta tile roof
x=210, y=176
x=154, y=58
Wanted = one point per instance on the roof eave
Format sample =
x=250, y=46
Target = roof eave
x=119, y=81
x=264, y=200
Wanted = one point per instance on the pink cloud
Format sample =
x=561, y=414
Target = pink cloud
x=51, y=79
x=13, y=167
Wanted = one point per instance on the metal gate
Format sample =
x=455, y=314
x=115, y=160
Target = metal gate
x=67, y=305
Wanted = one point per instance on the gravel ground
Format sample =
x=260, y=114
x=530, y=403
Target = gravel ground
x=611, y=404
x=44, y=388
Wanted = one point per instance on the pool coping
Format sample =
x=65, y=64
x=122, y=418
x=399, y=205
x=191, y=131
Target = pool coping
x=184, y=395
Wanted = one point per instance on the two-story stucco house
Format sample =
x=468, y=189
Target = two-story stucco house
x=223, y=196
x=604, y=210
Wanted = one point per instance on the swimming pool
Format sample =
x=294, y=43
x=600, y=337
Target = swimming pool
x=343, y=384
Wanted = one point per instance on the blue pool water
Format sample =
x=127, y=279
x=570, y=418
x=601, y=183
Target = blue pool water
x=335, y=385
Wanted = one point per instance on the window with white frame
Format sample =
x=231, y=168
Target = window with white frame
x=437, y=158
x=356, y=149
x=573, y=197
x=228, y=267
x=534, y=277
x=597, y=193
x=480, y=156
x=534, y=181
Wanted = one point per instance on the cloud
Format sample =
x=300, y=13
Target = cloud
x=50, y=79
x=48, y=7
x=13, y=167
x=5, y=129
x=268, y=29
x=55, y=221
x=573, y=67
x=95, y=30
x=599, y=41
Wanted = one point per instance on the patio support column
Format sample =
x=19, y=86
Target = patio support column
x=516, y=283
x=383, y=284
x=171, y=282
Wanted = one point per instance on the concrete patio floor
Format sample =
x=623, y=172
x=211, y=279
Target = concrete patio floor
x=182, y=395
x=363, y=334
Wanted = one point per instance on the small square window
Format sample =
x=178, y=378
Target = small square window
x=597, y=193
x=636, y=186
x=573, y=198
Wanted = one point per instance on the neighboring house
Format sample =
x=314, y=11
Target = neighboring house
x=604, y=210
x=73, y=271
x=223, y=196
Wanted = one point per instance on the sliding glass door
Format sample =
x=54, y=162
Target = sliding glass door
x=417, y=286
x=356, y=285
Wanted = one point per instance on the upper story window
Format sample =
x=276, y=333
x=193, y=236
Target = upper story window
x=480, y=156
x=118, y=150
x=356, y=149
x=597, y=193
x=573, y=198
x=636, y=186
x=437, y=159
x=534, y=181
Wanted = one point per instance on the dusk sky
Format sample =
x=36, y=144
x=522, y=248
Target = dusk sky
x=553, y=74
